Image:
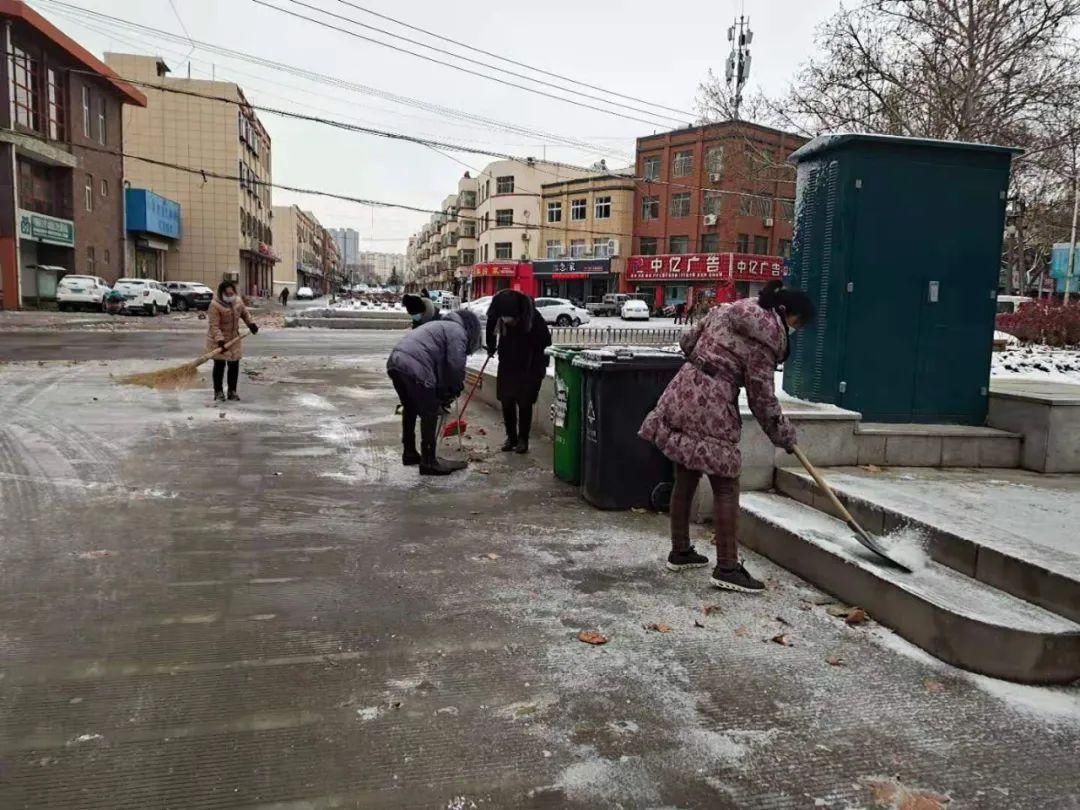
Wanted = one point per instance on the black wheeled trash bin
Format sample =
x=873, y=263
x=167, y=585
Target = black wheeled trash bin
x=619, y=470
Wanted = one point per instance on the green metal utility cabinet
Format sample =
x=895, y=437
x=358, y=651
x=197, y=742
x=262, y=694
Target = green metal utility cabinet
x=898, y=241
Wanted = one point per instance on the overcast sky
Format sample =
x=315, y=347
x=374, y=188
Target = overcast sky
x=659, y=56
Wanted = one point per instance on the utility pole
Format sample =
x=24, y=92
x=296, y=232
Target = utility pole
x=738, y=64
x=1072, y=239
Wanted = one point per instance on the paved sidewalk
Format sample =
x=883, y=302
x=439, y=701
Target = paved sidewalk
x=264, y=610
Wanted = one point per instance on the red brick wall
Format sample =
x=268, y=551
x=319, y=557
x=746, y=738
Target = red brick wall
x=739, y=174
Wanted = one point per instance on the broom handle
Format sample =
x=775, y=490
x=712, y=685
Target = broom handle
x=468, y=399
x=217, y=351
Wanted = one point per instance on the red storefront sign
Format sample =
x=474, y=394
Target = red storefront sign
x=704, y=267
x=495, y=269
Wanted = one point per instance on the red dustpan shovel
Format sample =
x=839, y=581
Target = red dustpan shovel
x=458, y=426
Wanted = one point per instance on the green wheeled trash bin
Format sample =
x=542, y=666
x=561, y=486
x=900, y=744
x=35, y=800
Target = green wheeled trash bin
x=566, y=413
x=619, y=470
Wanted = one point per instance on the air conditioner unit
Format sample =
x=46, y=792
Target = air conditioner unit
x=768, y=222
x=525, y=237
x=714, y=177
x=710, y=219
x=613, y=247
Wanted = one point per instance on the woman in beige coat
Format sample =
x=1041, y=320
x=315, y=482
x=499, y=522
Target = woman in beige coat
x=225, y=313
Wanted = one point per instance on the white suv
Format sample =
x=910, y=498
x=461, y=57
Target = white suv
x=144, y=295
x=74, y=292
x=561, y=312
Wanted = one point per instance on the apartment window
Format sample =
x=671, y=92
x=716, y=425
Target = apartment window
x=468, y=257
x=679, y=244
x=783, y=248
x=680, y=204
x=104, y=188
x=504, y=185
x=682, y=163
x=504, y=250
x=90, y=261
x=710, y=243
x=89, y=192
x=504, y=217
x=554, y=248
x=86, y=111
x=652, y=168
x=487, y=189
x=648, y=246
x=554, y=212
x=650, y=208
x=57, y=111
x=578, y=209
x=485, y=253
x=755, y=205
x=24, y=83
x=742, y=243
x=107, y=257
x=603, y=207
x=468, y=228
x=761, y=245
x=714, y=160
x=577, y=248
x=785, y=209
x=601, y=248
x=713, y=201
x=102, y=135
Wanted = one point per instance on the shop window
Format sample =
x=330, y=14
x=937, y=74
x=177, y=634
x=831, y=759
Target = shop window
x=783, y=248
x=57, y=109
x=714, y=160
x=761, y=245
x=603, y=207
x=577, y=248
x=504, y=250
x=650, y=208
x=578, y=209
x=679, y=244
x=652, y=168
x=680, y=204
x=554, y=248
x=682, y=164
x=89, y=192
x=648, y=246
x=504, y=217
x=710, y=243
x=554, y=212
x=504, y=185
x=24, y=83
x=742, y=243
x=713, y=201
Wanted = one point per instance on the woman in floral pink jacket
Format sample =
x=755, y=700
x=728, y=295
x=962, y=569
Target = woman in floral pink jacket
x=697, y=425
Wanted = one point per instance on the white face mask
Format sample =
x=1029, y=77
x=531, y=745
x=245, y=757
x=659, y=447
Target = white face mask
x=229, y=299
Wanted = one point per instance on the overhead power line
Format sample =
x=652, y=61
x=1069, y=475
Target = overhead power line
x=472, y=61
x=512, y=61
x=433, y=60
x=79, y=13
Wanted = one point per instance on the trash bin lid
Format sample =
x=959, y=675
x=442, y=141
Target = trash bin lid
x=635, y=358
x=562, y=352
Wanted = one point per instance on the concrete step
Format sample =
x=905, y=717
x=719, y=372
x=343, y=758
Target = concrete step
x=1010, y=529
x=955, y=618
x=902, y=445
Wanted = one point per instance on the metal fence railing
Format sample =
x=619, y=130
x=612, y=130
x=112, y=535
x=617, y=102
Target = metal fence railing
x=586, y=337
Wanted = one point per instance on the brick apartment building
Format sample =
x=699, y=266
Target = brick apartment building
x=714, y=211
x=61, y=173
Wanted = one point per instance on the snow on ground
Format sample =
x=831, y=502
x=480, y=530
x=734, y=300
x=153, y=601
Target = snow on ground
x=1035, y=362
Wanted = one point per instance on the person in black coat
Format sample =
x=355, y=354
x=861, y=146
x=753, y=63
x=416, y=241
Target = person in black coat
x=517, y=332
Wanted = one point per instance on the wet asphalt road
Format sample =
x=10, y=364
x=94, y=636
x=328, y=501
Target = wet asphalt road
x=257, y=607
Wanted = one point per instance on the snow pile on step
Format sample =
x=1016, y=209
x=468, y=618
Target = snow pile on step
x=1038, y=363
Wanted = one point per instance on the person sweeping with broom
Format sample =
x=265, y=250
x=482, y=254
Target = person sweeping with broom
x=517, y=332
x=697, y=424
x=226, y=312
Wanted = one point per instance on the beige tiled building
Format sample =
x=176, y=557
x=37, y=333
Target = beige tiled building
x=226, y=222
x=298, y=239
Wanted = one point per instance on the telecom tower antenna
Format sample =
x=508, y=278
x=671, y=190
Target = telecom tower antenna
x=738, y=64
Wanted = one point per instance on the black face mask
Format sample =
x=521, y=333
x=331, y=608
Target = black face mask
x=787, y=337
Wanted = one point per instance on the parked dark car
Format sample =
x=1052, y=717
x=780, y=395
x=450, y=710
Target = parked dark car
x=189, y=295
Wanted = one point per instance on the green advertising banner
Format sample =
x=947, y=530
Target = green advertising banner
x=42, y=228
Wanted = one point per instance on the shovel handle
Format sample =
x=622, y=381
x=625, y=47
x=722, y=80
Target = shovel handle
x=801, y=456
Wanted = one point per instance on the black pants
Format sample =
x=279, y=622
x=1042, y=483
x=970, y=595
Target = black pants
x=420, y=403
x=219, y=374
x=517, y=417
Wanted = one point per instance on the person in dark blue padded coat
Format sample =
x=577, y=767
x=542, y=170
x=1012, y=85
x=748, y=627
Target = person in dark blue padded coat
x=427, y=367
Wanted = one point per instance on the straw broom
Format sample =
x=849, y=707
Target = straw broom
x=177, y=376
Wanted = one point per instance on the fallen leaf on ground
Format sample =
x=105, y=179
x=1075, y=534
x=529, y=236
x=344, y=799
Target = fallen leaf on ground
x=783, y=621
x=933, y=686
x=96, y=555
x=592, y=637
x=711, y=609
x=492, y=556
x=659, y=628
x=892, y=794
x=805, y=606
x=834, y=661
x=697, y=623
x=874, y=468
x=856, y=616
x=781, y=639
x=837, y=610
x=481, y=431
x=483, y=472
x=742, y=632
